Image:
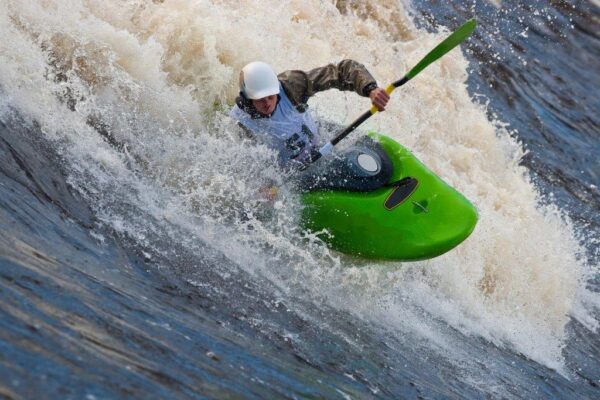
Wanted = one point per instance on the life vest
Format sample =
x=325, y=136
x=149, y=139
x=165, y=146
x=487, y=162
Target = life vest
x=291, y=132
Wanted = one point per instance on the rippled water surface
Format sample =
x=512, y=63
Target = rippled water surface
x=137, y=262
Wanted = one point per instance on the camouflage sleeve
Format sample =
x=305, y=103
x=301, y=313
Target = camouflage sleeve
x=347, y=75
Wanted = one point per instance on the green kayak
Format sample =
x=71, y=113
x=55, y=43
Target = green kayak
x=399, y=210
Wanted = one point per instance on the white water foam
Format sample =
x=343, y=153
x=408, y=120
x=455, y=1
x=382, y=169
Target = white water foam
x=158, y=78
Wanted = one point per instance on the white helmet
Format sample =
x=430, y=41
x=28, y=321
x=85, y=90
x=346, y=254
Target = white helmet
x=258, y=80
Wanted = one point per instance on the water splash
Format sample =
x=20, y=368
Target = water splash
x=135, y=95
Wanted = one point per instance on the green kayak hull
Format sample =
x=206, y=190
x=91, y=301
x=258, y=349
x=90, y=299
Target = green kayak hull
x=419, y=218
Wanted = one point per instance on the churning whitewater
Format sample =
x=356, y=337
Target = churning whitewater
x=132, y=98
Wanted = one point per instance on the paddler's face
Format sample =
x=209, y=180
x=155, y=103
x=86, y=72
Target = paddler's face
x=266, y=105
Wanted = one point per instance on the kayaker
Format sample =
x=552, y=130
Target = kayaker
x=273, y=108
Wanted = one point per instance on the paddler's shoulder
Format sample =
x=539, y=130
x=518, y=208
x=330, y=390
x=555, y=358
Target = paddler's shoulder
x=295, y=84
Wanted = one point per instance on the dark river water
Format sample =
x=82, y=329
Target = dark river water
x=126, y=271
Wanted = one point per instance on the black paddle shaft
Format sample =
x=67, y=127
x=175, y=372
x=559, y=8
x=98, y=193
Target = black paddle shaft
x=363, y=117
x=316, y=154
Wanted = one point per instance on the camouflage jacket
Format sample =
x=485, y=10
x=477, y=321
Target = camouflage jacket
x=348, y=75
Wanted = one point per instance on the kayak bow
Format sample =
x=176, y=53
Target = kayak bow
x=414, y=216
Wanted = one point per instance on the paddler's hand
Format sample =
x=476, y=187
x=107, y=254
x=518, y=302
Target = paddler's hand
x=268, y=193
x=379, y=98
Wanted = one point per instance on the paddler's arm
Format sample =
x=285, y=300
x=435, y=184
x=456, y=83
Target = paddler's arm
x=347, y=75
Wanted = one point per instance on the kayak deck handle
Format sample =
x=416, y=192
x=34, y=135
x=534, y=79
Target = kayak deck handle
x=401, y=191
